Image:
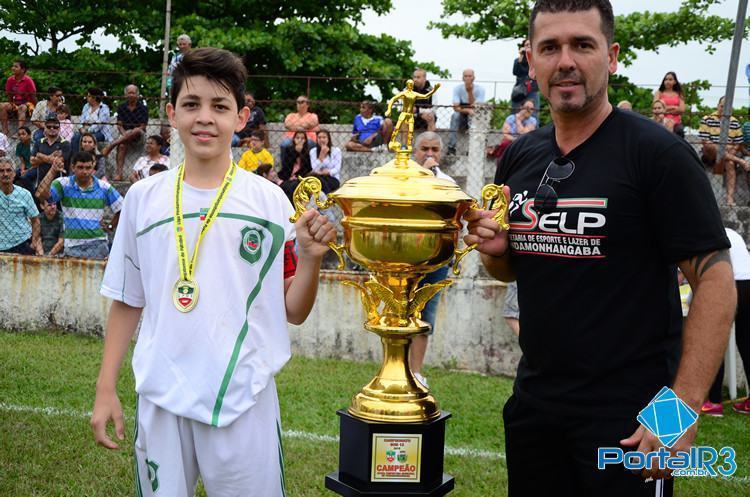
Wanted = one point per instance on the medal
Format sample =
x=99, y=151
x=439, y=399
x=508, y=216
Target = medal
x=185, y=292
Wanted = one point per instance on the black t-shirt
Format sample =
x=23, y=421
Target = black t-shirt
x=423, y=102
x=257, y=117
x=596, y=277
x=131, y=119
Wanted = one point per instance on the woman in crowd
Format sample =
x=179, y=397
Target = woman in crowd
x=94, y=119
x=90, y=144
x=670, y=92
x=302, y=120
x=295, y=163
x=142, y=167
x=658, y=115
x=325, y=161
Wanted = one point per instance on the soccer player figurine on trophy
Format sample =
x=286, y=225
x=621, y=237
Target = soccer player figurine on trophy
x=408, y=96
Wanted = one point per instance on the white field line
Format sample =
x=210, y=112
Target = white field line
x=302, y=435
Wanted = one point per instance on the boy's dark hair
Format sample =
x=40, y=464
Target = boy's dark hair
x=82, y=156
x=26, y=129
x=603, y=6
x=217, y=65
x=22, y=64
x=157, y=138
x=95, y=92
x=263, y=169
x=259, y=134
x=368, y=104
x=157, y=168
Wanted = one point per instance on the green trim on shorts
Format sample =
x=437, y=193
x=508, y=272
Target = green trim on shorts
x=138, y=489
x=281, y=459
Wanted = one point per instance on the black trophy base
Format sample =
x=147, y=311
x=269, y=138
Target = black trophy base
x=355, y=476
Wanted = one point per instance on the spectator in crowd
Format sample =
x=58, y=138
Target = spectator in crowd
x=510, y=309
x=66, y=126
x=19, y=217
x=141, y=168
x=741, y=268
x=424, y=115
x=21, y=92
x=709, y=132
x=465, y=97
x=428, y=148
x=23, y=150
x=183, y=47
x=157, y=168
x=46, y=108
x=132, y=118
x=256, y=122
x=4, y=145
x=295, y=163
x=257, y=155
x=658, y=114
x=370, y=130
x=325, y=160
x=50, y=151
x=94, y=119
x=523, y=81
x=52, y=229
x=625, y=105
x=302, y=120
x=268, y=172
x=90, y=145
x=670, y=92
x=166, y=136
x=515, y=125
x=83, y=199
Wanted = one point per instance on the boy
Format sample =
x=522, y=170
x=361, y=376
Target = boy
x=369, y=130
x=210, y=344
x=83, y=198
x=52, y=229
x=23, y=150
x=257, y=155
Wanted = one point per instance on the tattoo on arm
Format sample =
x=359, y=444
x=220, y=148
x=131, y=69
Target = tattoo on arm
x=702, y=263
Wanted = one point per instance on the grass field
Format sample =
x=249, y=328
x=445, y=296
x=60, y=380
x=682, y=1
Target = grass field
x=46, y=449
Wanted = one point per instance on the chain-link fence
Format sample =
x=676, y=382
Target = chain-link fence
x=85, y=214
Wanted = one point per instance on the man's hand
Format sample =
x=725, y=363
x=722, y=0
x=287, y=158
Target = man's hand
x=314, y=232
x=107, y=406
x=646, y=442
x=430, y=162
x=490, y=238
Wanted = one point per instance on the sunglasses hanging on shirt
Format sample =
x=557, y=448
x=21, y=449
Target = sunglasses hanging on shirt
x=545, y=199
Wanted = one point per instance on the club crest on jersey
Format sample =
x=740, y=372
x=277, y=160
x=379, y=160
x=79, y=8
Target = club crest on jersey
x=252, y=244
x=203, y=213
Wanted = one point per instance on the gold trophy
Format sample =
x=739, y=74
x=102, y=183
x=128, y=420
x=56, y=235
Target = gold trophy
x=400, y=223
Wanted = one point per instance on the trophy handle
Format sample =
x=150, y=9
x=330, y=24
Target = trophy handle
x=310, y=188
x=490, y=194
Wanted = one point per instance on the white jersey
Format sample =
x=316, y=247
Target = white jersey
x=739, y=255
x=211, y=363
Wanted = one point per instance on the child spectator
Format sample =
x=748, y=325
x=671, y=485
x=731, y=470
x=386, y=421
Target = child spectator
x=267, y=171
x=90, y=145
x=205, y=361
x=83, y=199
x=66, y=126
x=23, y=150
x=370, y=130
x=658, y=111
x=257, y=155
x=52, y=229
x=153, y=156
x=157, y=168
x=325, y=161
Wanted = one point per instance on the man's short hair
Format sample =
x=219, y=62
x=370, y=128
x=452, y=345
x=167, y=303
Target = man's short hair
x=428, y=135
x=6, y=160
x=157, y=138
x=82, y=156
x=22, y=64
x=26, y=129
x=419, y=69
x=125, y=91
x=259, y=134
x=215, y=64
x=603, y=6
x=185, y=37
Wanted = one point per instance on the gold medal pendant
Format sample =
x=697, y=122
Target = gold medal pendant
x=185, y=295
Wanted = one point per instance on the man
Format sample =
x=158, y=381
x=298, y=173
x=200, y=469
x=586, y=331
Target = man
x=424, y=116
x=428, y=148
x=709, y=132
x=46, y=108
x=19, y=217
x=369, y=129
x=83, y=199
x=21, y=92
x=50, y=151
x=605, y=203
x=132, y=118
x=465, y=96
x=184, y=43
x=256, y=122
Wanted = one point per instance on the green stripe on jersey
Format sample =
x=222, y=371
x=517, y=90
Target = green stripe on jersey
x=79, y=234
x=84, y=203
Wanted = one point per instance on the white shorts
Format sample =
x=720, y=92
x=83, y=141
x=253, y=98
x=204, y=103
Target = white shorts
x=244, y=459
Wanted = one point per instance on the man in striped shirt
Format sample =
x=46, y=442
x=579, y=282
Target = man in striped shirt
x=709, y=132
x=83, y=199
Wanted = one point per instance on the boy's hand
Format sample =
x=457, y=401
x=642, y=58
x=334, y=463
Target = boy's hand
x=106, y=407
x=314, y=232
